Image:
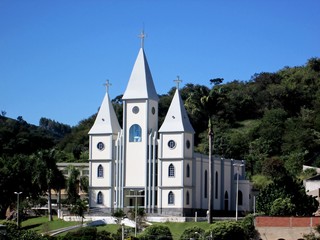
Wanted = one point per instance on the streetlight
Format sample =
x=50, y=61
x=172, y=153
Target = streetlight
x=18, y=222
x=122, y=231
x=136, y=208
x=238, y=165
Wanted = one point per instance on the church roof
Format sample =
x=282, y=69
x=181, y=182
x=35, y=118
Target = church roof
x=106, y=121
x=177, y=119
x=140, y=85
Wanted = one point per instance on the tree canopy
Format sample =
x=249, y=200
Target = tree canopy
x=271, y=120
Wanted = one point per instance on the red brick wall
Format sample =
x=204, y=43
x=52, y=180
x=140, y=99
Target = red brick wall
x=287, y=221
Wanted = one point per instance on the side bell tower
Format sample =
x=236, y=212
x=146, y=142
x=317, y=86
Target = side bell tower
x=102, y=137
x=175, y=160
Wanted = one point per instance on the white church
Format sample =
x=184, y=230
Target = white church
x=144, y=166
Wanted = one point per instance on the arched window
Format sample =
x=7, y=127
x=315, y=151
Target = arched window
x=100, y=171
x=171, y=170
x=188, y=198
x=205, y=184
x=99, y=198
x=188, y=170
x=170, y=198
x=135, y=133
x=217, y=186
x=240, y=198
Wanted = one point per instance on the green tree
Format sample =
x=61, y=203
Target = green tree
x=256, y=156
x=85, y=233
x=227, y=230
x=260, y=181
x=274, y=168
x=272, y=129
x=13, y=233
x=248, y=225
x=18, y=174
x=192, y=95
x=104, y=235
x=156, y=232
x=194, y=232
x=73, y=185
x=79, y=208
x=282, y=189
x=47, y=175
x=282, y=207
x=84, y=184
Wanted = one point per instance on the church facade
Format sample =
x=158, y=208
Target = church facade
x=142, y=165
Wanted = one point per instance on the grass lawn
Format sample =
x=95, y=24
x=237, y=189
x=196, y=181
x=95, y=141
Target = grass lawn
x=175, y=228
x=41, y=224
x=178, y=228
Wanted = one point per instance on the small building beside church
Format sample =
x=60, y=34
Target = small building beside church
x=142, y=165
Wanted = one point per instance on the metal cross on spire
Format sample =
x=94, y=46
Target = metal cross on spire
x=107, y=84
x=178, y=81
x=142, y=37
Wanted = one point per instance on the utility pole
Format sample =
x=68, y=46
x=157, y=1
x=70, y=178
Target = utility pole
x=18, y=219
x=238, y=165
x=210, y=208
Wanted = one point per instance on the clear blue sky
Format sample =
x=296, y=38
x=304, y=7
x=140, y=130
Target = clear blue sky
x=56, y=55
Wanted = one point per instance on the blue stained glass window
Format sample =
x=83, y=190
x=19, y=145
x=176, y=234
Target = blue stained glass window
x=135, y=133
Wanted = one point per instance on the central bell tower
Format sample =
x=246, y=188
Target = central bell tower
x=140, y=124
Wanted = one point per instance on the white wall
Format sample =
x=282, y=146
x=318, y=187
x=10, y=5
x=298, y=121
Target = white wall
x=172, y=181
x=188, y=180
x=106, y=198
x=177, y=198
x=106, y=153
x=188, y=152
x=176, y=152
x=312, y=185
x=245, y=188
x=104, y=181
x=136, y=152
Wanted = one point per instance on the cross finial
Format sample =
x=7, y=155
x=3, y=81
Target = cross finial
x=178, y=81
x=142, y=37
x=107, y=84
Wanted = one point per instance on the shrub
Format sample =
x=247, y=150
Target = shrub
x=86, y=233
x=227, y=230
x=156, y=232
x=192, y=233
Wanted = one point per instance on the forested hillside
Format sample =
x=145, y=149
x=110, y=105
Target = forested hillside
x=272, y=121
x=273, y=115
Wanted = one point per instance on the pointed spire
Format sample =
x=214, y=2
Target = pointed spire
x=140, y=85
x=106, y=121
x=177, y=119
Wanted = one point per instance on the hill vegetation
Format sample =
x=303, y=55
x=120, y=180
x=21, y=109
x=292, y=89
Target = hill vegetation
x=272, y=121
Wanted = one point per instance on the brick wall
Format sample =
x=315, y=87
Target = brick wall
x=287, y=221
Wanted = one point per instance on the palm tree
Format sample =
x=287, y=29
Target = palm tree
x=204, y=103
x=73, y=185
x=79, y=208
x=47, y=175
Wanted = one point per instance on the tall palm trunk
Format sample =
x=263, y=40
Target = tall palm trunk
x=49, y=205
x=210, y=197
